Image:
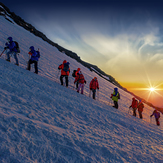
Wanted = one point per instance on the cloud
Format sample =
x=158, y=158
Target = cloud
x=120, y=44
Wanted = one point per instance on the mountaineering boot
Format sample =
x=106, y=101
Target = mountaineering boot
x=8, y=60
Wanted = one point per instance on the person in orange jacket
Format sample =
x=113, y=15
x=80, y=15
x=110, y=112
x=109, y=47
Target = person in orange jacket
x=134, y=105
x=140, y=108
x=93, y=86
x=65, y=70
x=81, y=81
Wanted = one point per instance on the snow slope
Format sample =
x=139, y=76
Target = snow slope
x=42, y=121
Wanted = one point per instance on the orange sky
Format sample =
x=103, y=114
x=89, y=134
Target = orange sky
x=141, y=90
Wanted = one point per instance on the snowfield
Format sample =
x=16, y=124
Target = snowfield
x=44, y=122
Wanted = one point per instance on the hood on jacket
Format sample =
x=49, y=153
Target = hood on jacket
x=32, y=48
x=9, y=38
x=78, y=69
x=155, y=111
x=64, y=61
x=116, y=89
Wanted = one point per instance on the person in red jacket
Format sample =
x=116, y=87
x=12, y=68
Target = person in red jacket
x=81, y=81
x=93, y=86
x=140, y=108
x=65, y=70
x=76, y=74
x=134, y=105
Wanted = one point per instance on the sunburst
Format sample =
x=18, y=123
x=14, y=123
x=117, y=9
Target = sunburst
x=151, y=89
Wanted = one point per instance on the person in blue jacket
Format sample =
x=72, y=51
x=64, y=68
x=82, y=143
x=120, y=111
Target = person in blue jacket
x=12, y=50
x=33, y=59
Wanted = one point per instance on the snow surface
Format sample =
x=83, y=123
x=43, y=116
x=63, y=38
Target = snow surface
x=44, y=122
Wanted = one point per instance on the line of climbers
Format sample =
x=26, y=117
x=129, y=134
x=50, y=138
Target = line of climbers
x=80, y=81
x=139, y=105
x=12, y=48
x=93, y=86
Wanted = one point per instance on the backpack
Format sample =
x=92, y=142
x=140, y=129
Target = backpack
x=81, y=77
x=17, y=46
x=142, y=105
x=66, y=66
x=118, y=95
x=38, y=54
x=73, y=74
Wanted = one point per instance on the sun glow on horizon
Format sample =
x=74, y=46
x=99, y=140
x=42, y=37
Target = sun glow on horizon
x=152, y=89
x=149, y=91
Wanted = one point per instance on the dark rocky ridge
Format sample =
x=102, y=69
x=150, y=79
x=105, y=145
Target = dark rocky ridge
x=18, y=20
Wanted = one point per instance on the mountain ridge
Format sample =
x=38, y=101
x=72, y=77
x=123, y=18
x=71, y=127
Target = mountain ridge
x=18, y=20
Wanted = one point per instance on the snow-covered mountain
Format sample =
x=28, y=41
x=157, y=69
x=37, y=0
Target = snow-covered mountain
x=42, y=121
x=13, y=18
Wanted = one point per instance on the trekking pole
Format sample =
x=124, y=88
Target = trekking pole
x=2, y=52
x=28, y=59
x=97, y=94
x=58, y=74
x=129, y=110
x=89, y=93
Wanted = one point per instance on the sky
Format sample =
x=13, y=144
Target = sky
x=123, y=38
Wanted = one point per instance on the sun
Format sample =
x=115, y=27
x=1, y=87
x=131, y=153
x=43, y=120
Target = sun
x=152, y=89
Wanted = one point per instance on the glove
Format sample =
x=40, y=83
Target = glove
x=5, y=48
x=6, y=44
x=85, y=82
